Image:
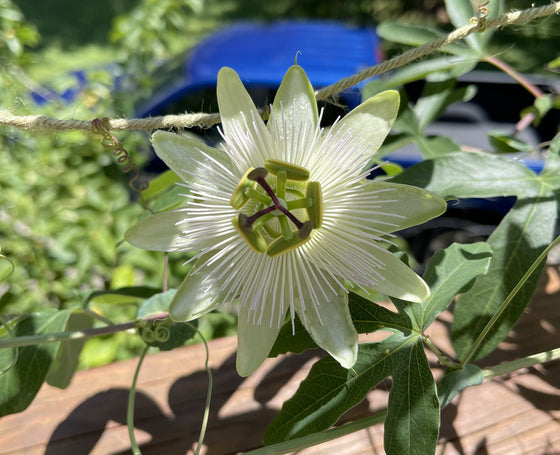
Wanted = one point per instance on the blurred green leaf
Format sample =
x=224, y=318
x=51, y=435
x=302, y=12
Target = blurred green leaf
x=6, y=267
x=504, y=143
x=436, y=146
x=461, y=12
x=453, y=66
x=171, y=199
x=20, y=384
x=161, y=183
x=122, y=295
x=417, y=35
x=67, y=357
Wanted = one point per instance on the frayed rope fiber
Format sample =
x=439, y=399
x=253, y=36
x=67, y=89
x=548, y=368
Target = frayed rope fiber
x=46, y=124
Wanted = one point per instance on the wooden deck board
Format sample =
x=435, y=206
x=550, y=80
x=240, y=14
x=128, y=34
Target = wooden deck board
x=513, y=415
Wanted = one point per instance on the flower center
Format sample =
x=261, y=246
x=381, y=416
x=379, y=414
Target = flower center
x=278, y=207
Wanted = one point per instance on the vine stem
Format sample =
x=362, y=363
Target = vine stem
x=130, y=407
x=29, y=340
x=507, y=301
x=514, y=365
x=204, y=425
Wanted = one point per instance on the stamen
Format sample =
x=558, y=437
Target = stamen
x=315, y=211
x=253, y=238
x=293, y=172
x=239, y=198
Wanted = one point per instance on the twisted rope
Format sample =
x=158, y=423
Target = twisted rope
x=43, y=123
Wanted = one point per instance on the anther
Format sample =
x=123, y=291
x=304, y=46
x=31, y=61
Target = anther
x=293, y=172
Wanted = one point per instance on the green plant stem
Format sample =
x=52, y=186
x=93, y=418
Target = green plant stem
x=208, y=394
x=130, y=406
x=525, y=362
x=29, y=340
x=507, y=301
x=442, y=358
x=318, y=438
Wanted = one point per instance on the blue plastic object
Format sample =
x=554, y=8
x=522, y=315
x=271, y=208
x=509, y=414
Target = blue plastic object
x=261, y=54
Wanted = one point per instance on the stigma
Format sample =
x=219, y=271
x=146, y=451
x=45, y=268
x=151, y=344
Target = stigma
x=278, y=207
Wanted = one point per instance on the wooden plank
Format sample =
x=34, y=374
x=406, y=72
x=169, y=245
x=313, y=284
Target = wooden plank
x=513, y=415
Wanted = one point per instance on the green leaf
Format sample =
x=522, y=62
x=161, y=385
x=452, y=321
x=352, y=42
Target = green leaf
x=6, y=267
x=21, y=383
x=330, y=390
x=67, y=357
x=456, y=380
x=461, y=12
x=122, y=296
x=292, y=339
x=417, y=35
x=160, y=184
x=436, y=146
x=156, y=304
x=450, y=272
x=519, y=239
x=505, y=143
x=466, y=175
x=412, y=423
x=171, y=199
x=369, y=317
x=454, y=67
x=439, y=92
x=163, y=334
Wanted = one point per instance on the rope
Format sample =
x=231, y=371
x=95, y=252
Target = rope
x=43, y=123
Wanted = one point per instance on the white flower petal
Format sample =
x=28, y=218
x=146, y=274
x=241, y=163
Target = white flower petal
x=159, y=232
x=192, y=160
x=256, y=333
x=294, y=112
x=388, y=207
x=398, y=280
x=331, y=327
x=372, y=120
x=237, y=109
x=197, y=295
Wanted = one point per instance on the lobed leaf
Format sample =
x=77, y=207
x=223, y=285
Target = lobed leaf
x=519, y=239
x=450, y=272
x=66, y=361
x=456, y=380
x=412, y=422
x=330, y=390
